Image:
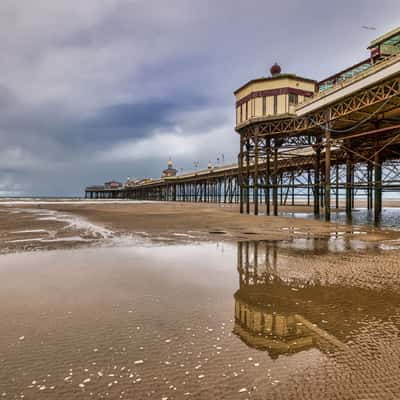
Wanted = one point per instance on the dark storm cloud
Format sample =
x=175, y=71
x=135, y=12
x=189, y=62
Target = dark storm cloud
x=143, y=116
x=97, y=90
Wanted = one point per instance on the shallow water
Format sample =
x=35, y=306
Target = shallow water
x=362, y=216
x=259, y=320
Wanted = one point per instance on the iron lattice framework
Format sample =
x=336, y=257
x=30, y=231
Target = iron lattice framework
x=309, y=152
x=335, y=112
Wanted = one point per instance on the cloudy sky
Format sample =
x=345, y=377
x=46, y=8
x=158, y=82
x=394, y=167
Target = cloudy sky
x=105, y=89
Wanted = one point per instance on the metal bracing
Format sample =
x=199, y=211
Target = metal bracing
x=343, y=149
x=361, y=101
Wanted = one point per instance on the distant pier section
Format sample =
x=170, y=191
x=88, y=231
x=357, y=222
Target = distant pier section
x=214, y=184
x=110, y=190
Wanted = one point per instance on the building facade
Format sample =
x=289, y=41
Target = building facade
x=273, y=96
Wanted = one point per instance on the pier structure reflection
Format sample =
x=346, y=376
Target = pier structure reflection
x=266, y=311
x=283, y=312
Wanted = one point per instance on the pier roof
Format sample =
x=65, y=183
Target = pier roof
x=385, y=37
x=274, y=78
x=375, y=74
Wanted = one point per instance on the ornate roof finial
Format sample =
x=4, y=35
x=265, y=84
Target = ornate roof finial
x=275, y=69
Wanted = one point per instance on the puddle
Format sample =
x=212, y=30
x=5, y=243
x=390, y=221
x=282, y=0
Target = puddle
x=8, y=202
x=216, y=320
x=61, y=229
x=60, y=239
x=183, y=235
x=390, y=217
x=45, y=231
x=71, y=222
x=335, y=243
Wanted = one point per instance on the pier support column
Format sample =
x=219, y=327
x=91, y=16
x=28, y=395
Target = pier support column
x=268, y=178
x=378, y=189
x=240, y=261
x=353, y=186
x=369, y=187
x=255, y=261
x=317, y=166
x=174, y=192
x=293, y=184
x=327, y=174
x=349, y=184
x=240, y=176
x=275, y=179
x=225, y=188
x=248, y=176
x=255, y=176
x=322, y=186
x=337, y=185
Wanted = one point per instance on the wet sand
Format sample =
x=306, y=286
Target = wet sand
x=161, y=222
x=137, y=301
x=198, y=321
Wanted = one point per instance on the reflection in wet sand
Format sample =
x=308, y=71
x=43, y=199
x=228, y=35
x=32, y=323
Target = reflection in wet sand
x=155, y=322
x=266, y=312
x=361, y=216
x=352, y=326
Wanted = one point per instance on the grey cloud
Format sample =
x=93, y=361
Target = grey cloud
x=80, y=78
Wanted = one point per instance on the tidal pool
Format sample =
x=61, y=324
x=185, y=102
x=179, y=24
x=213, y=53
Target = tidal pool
x=360, y=216
x=252, y=320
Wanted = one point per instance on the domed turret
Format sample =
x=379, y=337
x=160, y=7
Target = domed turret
x=170, y=171
x=275, y=69
x=273, y=95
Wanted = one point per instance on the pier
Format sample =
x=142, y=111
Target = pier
x=325, y=143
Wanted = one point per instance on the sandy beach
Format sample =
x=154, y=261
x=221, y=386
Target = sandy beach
x=52, y=225
x=200, y=200
x=175, y=301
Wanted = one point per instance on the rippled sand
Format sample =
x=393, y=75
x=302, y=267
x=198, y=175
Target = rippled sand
x=94, y=310
x=212, y=321
x=30, y=226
